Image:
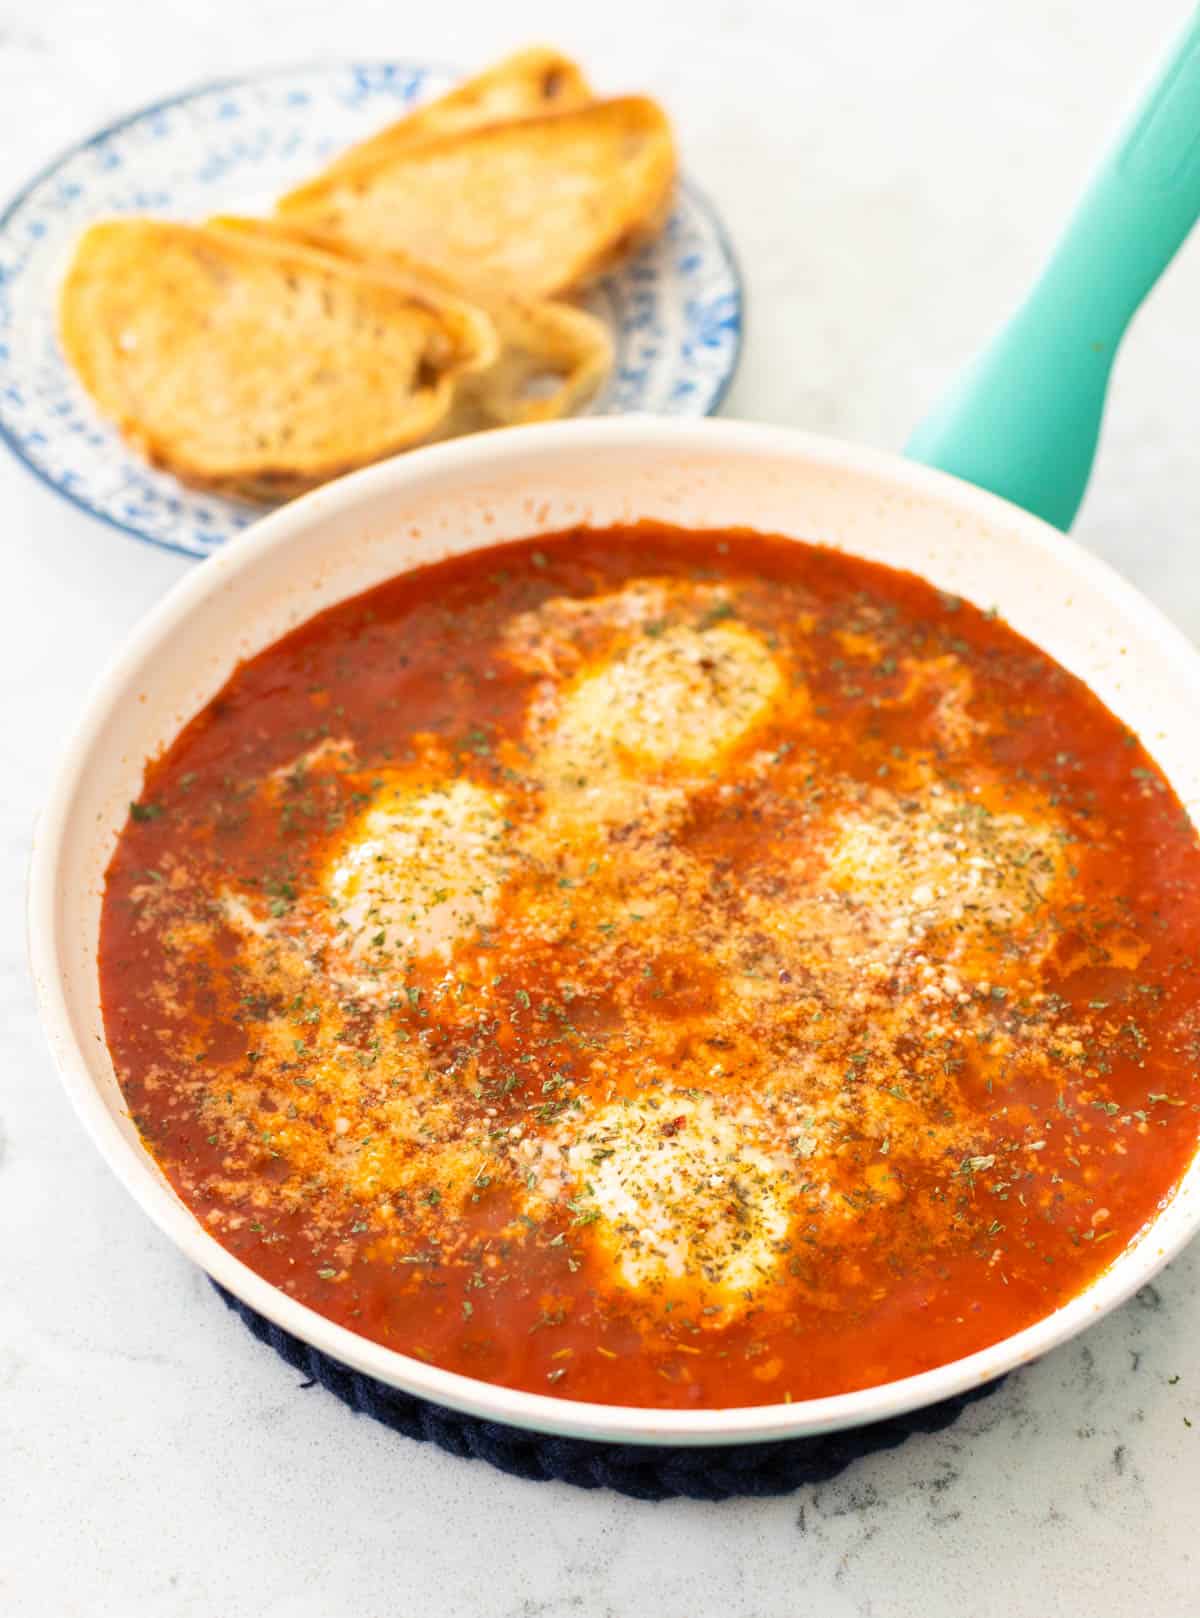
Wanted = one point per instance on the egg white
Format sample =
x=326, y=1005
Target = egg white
x=418, y=871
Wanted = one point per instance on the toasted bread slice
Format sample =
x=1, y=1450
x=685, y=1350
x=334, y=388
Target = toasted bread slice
x=532, y=207
x=241, y=362
x=552, y=357
x=530, y=82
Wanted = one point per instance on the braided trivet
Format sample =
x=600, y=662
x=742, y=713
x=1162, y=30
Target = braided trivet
x=717, y=1472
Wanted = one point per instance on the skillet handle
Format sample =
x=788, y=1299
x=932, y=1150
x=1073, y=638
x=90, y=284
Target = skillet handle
x=1024, y=418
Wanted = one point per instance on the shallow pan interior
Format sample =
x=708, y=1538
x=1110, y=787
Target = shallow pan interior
x=482, y=491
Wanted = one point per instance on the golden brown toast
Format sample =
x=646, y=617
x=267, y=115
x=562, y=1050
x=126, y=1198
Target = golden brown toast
x=531, y=208
x=552, y=357
x=531, y=81
x=259, y=366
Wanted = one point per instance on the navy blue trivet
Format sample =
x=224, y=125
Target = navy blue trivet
x=647, y=1472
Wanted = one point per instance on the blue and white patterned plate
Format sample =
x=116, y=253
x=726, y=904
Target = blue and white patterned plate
x=675, y=311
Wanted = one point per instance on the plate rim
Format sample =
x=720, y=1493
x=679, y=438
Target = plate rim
x=696, y=195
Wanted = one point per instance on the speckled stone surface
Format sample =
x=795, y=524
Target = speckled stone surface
x=890, y=175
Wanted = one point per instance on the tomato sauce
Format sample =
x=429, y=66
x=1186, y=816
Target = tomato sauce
x=661, y=968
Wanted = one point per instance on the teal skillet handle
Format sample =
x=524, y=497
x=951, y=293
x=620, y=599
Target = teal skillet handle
x=1024, y=419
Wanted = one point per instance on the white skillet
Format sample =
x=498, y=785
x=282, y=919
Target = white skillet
x=478, y=492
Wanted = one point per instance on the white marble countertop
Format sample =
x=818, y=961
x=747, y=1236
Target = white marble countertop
x=890, y=175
